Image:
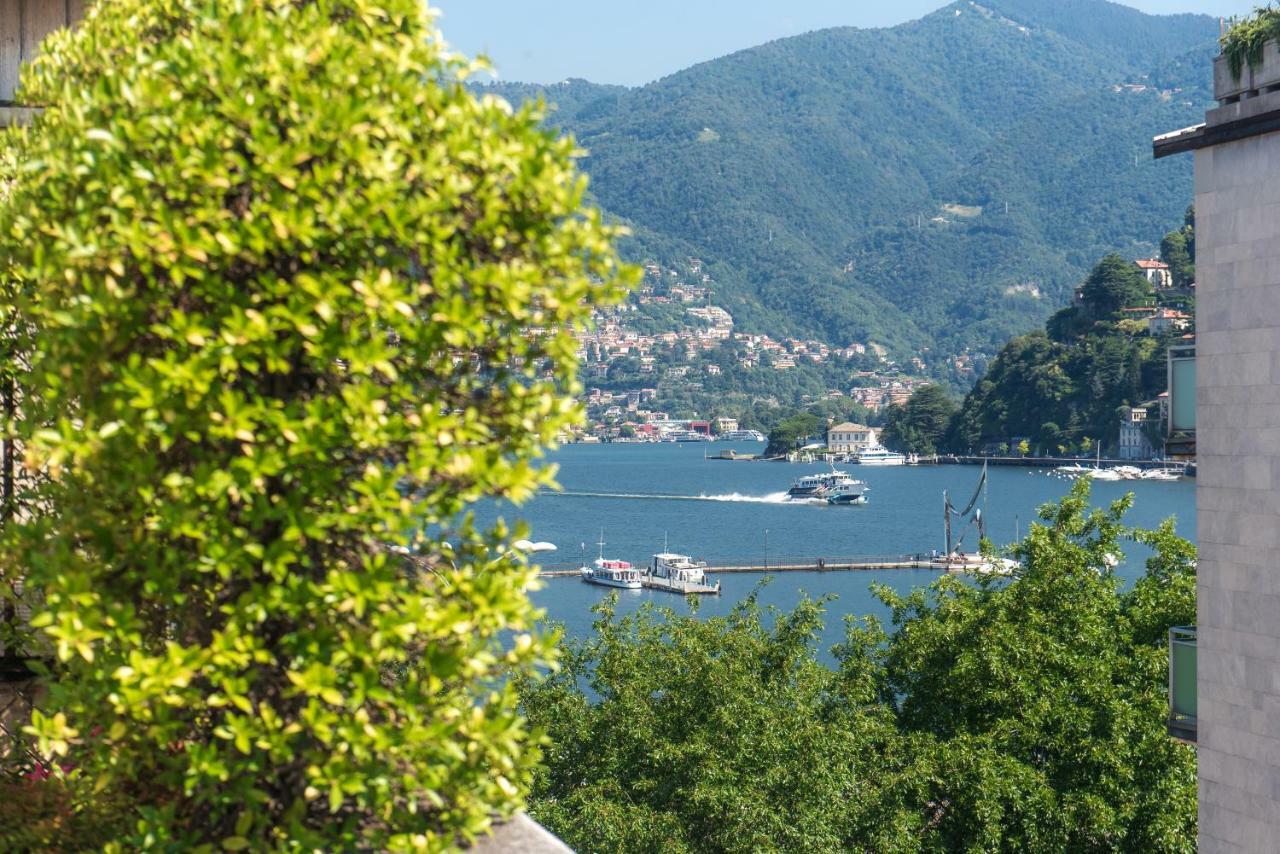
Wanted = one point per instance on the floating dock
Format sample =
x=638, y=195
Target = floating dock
x=815, y=564
x=653, y=582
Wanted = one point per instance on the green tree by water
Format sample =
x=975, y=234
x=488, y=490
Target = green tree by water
x=1021, y=713
x=792, y=430
x=920, y=425
x=272, y=267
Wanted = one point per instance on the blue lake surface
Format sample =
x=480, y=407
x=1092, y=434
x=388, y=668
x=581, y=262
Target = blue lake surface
x=643, y=495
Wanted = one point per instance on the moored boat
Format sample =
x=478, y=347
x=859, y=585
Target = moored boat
x=677, y=567
x=878, y=455
x=612, y=573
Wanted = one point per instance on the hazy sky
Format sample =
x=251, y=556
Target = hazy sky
x=636, y=41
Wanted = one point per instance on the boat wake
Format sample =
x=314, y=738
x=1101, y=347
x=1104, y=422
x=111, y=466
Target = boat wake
x=771, y=498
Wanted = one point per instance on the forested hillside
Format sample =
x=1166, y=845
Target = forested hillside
x=940, y=184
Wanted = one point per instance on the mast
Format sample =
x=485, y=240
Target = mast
x=946, y=515
x=601, y=544
x=982, y=518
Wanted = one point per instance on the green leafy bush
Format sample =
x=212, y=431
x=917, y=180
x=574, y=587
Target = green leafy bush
x=1242, y=43
x=998, y=713
x=275, y=269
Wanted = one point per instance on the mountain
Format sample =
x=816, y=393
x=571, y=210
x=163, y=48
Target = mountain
x=934, y=186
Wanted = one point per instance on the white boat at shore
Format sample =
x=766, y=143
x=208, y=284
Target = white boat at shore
x=678, y=568
x=878, y=455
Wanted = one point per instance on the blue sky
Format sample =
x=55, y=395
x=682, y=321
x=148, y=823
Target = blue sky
x=636, y=41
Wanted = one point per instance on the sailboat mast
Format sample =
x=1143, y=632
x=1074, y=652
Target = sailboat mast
x=946, y=517
x=982, y=520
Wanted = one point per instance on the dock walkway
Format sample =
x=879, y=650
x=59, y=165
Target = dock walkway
x=865, y=563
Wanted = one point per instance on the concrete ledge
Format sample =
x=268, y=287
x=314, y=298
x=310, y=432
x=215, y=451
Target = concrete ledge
x=521, y=834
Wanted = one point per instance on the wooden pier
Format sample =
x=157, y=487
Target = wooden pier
x=869, y=563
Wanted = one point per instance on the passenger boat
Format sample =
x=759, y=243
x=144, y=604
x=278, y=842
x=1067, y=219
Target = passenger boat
x=611, y=573
x=824, y=485
x=675, y=567
x=742, y=436
x=878, y=455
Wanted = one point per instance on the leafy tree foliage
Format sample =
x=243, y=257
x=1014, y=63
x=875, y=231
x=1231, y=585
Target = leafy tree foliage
x=1178, y=250
x=1113, y=284
x=790, y=431
x=1055, y=679
x=272, y=266
x=1021, y=713
x=920, y=425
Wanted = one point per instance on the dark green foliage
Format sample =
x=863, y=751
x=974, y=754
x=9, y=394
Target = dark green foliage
x=1178, y=250
x=807, y=173
x=789, y=432
x=1009, y=714
x=1114, y=283
x=920, y=425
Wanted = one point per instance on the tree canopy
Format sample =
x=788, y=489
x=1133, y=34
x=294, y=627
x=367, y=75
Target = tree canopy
x=995, y=714
x=270, y=268
x=1113, y=284
x=920, y=425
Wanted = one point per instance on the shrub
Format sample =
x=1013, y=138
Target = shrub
x=276, y=268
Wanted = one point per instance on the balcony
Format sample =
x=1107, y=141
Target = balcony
x=1182, y=683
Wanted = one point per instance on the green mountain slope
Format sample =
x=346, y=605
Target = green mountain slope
x=939, y=184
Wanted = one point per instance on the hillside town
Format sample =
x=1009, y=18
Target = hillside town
x=670, y=340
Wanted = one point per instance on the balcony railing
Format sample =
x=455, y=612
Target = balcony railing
x=1182, y=683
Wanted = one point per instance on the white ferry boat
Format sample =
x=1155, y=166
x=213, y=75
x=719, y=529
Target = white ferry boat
x=824, y=485
x=674, y=567
x=878, y=455
x=742, y=436
x=612, y=573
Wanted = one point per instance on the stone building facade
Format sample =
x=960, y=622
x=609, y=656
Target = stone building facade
x=1237, y=196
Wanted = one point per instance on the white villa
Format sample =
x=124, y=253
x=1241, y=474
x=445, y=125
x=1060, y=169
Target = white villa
x=849, y=438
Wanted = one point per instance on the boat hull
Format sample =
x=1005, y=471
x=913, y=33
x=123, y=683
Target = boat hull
x=609, y=582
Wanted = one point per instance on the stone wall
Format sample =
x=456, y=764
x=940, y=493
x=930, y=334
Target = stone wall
x=1238, y=492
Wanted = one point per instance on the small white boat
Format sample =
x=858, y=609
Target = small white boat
x=1104, y=474
x=878, y=455
x=1161, y=474
x=611, y=573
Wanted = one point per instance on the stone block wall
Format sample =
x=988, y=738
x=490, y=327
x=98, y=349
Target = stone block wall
x=1238, y=492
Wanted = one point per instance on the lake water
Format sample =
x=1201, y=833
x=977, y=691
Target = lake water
x=643, y=495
